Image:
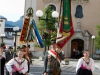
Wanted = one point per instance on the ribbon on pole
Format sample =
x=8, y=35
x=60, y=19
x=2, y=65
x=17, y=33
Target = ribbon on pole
x=37, y=35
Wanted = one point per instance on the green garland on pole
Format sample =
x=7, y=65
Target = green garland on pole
x=30, y=12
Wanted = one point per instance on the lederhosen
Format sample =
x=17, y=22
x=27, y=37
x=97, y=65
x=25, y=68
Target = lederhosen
x=53, y=63
x=20, y=63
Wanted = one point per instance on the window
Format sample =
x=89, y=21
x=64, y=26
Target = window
x=1, y=20
x=53, y=7
x=79, y=12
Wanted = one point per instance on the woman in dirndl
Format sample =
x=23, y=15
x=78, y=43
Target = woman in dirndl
x=85, y=65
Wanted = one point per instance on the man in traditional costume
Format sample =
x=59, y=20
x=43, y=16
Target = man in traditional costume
x=3, y=47
x=52, y=60
x=2, y=59
x=28, y=56
x=9, y=56
x=17, y=65
x=24, y=48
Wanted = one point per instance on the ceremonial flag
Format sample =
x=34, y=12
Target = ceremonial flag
x=66, y=29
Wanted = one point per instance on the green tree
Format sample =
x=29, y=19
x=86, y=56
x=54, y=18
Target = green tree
x=47, y=27
x=97, y=39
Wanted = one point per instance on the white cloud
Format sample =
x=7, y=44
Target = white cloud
x=12, y=9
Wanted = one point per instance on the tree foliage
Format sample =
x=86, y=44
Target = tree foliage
x=47, y=27
x=97, y=39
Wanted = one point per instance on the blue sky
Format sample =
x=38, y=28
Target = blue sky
x=12, y=9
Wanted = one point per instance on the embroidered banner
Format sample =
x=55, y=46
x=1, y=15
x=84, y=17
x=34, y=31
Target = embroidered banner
x=66, y=29
x=66, y=17
x=63, y=40
x=24, y=30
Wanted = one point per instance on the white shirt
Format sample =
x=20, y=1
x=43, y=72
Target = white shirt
x=3, y=54
x=23, y=65
x=91, y=64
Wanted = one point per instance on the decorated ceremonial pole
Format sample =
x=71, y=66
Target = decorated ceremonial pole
x=47, y=21
x=30, y=32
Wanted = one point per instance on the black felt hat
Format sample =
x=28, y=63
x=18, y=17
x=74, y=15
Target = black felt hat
x=18, y=47
x=10, y=47
x=53, y=41
x=2, y=45
x=28, y=46
x=23, y=46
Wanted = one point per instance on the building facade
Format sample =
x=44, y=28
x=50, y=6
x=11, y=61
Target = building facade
x=85, y=17
x=7, y=34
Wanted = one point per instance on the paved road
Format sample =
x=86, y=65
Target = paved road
x=66, y=70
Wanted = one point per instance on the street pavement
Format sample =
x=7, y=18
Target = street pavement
x=37, y=67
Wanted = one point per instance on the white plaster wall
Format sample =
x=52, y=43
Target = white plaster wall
x=2, y=26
